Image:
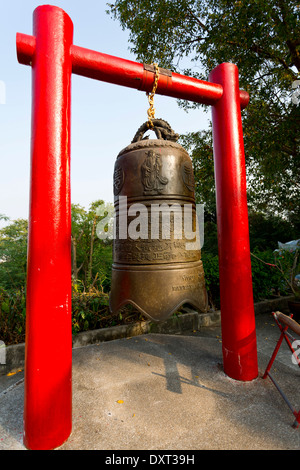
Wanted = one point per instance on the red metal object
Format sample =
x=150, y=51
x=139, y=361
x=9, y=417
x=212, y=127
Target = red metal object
x=53, y=57
x=111, y=69
x=48, y=360
x=237, y=308
x=287, y=322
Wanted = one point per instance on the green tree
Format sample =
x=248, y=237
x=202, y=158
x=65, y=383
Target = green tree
x=199, y=146
x=91, y=256
x=263, y=39
x=13, y=254
x=266, y=232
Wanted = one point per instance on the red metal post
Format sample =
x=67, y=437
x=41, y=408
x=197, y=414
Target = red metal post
x=277, y=347
x=237, y=308
x=297, y=420
x=48, y=353
x=111, y=69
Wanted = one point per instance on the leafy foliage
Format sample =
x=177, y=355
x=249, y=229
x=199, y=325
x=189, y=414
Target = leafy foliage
x=263, y=39
x=199, y=145
x=90, y=311
x=13, y=255
x=12, y=316
x=212, y=282
x=92, y=270
x=266, y=231
x=265, y=277
x=288, y=265
x=91, y=256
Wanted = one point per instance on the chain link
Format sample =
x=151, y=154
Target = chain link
x=151, y=110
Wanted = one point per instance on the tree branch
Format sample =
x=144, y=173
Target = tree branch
x=294, y=53
x=196, y=18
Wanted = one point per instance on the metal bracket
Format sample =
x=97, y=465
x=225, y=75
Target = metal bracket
x=150, y=68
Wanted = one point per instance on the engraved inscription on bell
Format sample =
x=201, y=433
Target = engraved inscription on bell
x=157, y=263
x=118, y=179
x=152, y=179
x=188, y=175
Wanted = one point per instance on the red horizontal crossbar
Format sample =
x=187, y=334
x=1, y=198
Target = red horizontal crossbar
x=111, y=69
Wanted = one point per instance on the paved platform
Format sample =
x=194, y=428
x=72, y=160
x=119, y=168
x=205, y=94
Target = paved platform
x=169, y=392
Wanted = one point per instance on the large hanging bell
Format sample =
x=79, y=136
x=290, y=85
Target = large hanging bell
x=157, y=263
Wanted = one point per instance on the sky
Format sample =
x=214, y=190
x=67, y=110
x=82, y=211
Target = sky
x=104, y=117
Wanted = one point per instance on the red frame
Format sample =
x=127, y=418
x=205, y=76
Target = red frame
x=48, y=360
x=288, y=338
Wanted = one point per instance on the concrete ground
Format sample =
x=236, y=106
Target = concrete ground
x=169, y=392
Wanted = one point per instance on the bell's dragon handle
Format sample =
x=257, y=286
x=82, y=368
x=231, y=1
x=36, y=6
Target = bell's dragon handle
x=161, y=128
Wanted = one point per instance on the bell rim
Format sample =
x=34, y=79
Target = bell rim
x=125, y=302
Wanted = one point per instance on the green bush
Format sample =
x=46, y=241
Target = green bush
x=90, y=309
x=12, y=316
x=267, y=280
x=211, y=274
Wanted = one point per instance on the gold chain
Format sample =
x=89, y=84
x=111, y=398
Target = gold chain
x=151, y=110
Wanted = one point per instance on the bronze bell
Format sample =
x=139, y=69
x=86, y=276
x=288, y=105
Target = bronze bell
x=157, y=263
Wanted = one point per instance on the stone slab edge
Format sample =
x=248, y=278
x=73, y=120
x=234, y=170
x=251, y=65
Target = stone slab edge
x=190, y=321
